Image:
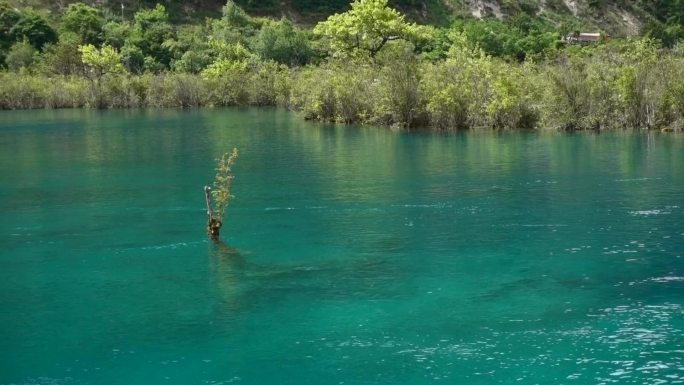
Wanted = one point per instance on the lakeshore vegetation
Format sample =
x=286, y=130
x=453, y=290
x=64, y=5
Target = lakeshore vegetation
x=368, y=65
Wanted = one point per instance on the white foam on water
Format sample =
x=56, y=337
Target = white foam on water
x=173, y=245
x=668, y=279
x=635, y=179
x=279, y=208
x=662, y=211
x=650, y=212
x=426, y=205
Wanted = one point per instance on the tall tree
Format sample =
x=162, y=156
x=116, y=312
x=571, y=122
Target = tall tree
x=366, y=29
x=150, y=30
x=8, y=17
x=283, y=42
x=34, y=27
x=101, y=63
x=84, y=21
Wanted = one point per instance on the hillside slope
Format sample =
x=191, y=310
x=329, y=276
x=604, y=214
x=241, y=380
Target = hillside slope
x=619, y=18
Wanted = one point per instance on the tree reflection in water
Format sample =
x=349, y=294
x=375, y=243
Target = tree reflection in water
x=228, y=267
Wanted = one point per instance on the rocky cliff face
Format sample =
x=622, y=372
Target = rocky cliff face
x=619, y=18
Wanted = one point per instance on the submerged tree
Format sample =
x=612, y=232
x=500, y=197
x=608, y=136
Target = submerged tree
x=220, y=194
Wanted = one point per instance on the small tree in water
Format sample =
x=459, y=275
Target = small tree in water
x=220, y=194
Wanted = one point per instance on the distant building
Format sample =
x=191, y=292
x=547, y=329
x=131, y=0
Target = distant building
x=587, y=38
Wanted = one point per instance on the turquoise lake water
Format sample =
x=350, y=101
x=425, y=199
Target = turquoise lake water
x=351, y=255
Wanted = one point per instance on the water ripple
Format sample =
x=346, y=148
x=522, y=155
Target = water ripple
x=664, y=211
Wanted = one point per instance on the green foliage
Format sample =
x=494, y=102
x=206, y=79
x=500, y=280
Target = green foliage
x=63, y=58
x=228, y=76
x=174, y=90
x=228, y=81
x=567, y=97
x=225, y=68
x=456, y=89
x=313, y=93
x=8, y=17
x=356, y=91
x=399, y=98
x=223, y=182
x=103, y=61
x=283, y=42
x=21, y=90
x=190, y=49
x=34, y=27
x=116, y=33
x=235, y=26
x=84, y=21
x=230, y=51
x=675, y=101
x=133, y=58
x=513, y=97
x=336, y=91
x=668, y=11
x=519, y=38
x=270, y=84
x=235, y=16
x=193, y=61
x=149, y=18
x=365, y=29
x=323, y=6
x=668, y=35
x=21, y=55
x=150, y=30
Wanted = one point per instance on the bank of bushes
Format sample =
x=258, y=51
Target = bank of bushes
x=610, y=89
x=617, y=87
x=633, y=85
x=265, y=85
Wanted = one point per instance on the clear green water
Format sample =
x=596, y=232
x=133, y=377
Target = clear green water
x=352, y=256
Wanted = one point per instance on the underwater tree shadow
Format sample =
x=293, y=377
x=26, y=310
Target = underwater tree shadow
x=245, y=285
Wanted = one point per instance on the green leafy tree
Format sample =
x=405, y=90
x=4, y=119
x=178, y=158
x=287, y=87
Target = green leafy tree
x=133, y=58
x=366, y=29
x=21, y=55
x=190, y=49
x=511, y=102
x=228, y=76
x=150, y=30
x=519, y=38
x=399, y=97
x=63, y=58
x=457, y=89
x=235, y=16
x=668, y=35
x=8, y=17
x=101, y=63
x=116, y=33
x=84, y=21
x=284, y=43
x=193, y=61
x=34, y=27
x=669, y=11
x=235, y=26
